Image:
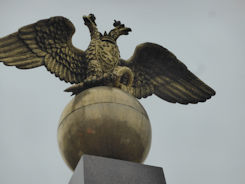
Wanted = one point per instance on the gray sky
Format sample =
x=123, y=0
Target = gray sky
x=195, y=144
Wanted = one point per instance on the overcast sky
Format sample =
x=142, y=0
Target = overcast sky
x=195, y=144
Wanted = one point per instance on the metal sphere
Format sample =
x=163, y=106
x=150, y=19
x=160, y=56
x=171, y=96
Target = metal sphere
x=104, y=121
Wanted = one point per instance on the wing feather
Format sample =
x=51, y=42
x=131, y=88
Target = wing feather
x=31, y=65
x=164, y=75
x=45, y=43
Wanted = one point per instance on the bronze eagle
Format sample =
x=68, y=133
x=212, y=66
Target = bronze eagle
x=152, y=69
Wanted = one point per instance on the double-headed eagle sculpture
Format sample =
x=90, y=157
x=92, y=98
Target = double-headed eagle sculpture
x=152, y=69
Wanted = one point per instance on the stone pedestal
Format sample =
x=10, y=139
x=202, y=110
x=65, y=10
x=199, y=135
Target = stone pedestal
x=101, y=170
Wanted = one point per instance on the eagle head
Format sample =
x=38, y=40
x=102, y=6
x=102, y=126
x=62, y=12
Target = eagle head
x=119, y=30
x=112, y=36
x=89, y=20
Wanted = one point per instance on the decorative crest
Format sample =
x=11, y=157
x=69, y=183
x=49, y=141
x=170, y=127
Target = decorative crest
x=152, y=69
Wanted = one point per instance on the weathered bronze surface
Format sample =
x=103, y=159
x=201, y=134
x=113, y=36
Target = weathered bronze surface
x=104, y=121
x=152, y=69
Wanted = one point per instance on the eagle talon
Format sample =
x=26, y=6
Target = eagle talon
x=75, y=89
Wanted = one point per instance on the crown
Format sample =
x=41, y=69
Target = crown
x=107, y=37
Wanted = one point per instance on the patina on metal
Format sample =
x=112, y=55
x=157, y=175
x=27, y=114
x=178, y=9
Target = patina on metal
x=152, y=69
x=104, y=121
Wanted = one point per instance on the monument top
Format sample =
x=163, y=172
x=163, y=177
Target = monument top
x=152, y=69
x=99, y=170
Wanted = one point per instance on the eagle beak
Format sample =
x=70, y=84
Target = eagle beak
x=125, y=30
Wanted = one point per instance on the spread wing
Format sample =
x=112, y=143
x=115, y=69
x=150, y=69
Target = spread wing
x=158, y=71
x=47, y=42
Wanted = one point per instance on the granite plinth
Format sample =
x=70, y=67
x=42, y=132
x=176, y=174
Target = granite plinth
x=101, y=170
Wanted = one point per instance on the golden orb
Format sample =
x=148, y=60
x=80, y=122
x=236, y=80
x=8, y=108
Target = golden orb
x=104, y=121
